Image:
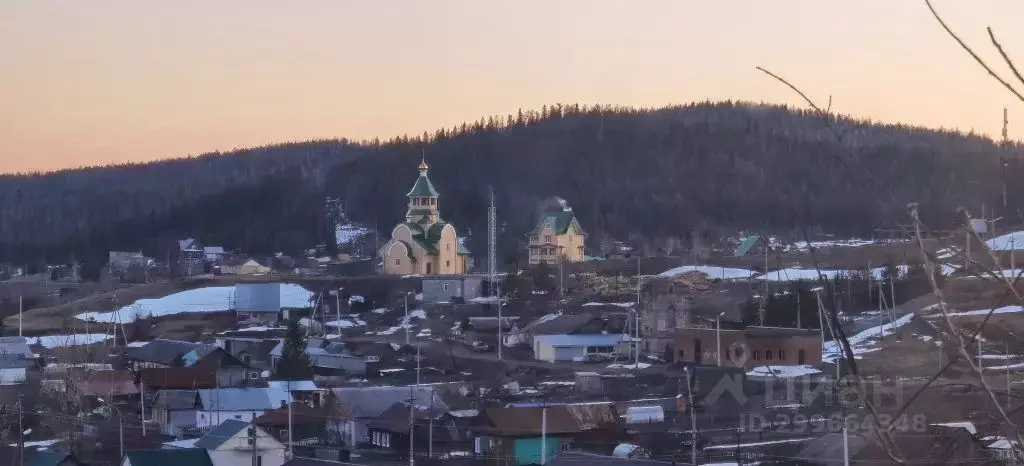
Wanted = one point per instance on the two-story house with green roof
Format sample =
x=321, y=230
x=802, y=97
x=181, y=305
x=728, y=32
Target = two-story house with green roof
x=558, y=236
x=424, y=243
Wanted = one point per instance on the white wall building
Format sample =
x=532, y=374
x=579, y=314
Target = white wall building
x=554, y=348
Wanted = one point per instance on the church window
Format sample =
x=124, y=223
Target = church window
x=447, y=263
x=398, y=261
x=448, y=247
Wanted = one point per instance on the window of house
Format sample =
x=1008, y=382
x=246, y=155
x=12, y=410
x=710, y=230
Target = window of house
x=579, y=250
x=447, y=263
x=246, y=358
x=372, y=358
x=448, y=247
x=757, y=355
x=257, y=461
x=398, y=261
x=768, y=355
x=284, y=434
x=254, y=375
x=547, y=238
x=782, y=355
x=682, y=354
x=444, y=287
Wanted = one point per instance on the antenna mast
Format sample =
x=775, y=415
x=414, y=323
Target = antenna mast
x=491, y=244
x=1005, y=148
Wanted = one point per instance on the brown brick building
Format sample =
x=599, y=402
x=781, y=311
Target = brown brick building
x=749, y=347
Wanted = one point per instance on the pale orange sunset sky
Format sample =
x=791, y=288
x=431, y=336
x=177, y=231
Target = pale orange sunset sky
x=102, y=81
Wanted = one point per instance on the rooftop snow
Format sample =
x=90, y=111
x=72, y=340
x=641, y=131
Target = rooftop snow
x=1007, y=242
x=723, y=273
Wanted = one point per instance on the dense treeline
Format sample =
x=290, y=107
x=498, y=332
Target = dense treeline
x=651, y=176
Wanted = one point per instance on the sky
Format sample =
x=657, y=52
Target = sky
x=111, y=81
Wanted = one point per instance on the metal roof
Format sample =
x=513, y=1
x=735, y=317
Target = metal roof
x=746, y=245
x=371, y=402
x=581, y=340
x=242, y=399
x=176, y=399
x=220, y=434
x=176, y=457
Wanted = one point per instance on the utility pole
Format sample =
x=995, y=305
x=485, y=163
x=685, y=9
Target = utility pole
x=21, y=309
x=1009, y=389
x=501, y=342
x=1006, y=145
x=798, y=308
x=21, y=432
x=252, y=438
x=543, y=435
x=430, y=432
x=412, y=431
x=693, y=418
x=291, y=451
x=142, y=403
x=636, y=342
x=492, y=226
x=337, y=309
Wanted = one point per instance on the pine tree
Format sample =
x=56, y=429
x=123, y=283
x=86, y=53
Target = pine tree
x=294, y=363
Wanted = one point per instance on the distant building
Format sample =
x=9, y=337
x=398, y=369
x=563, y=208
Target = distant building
x=749, y=347
x=214, y=254
x=243, y=266
x=424, y=244
x=569, y=348
x=191, y=258
x=558, y=236
x=446, y=288
x=258, y=301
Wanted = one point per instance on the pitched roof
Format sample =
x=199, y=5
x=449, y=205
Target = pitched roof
x=176, y=399
x=178, y=378
x=527, y=421
x=423, y=187
x=576, y=458
x=45, y=458
x=175, y=457
x=560, y=221
x=161, y=351
x=746, y=245
x=301, y=414
x=559, y=324
x=108, y=383
x=371, y=402
x=17, y=346
x=220, y=434
x=581, y=340
x=299, y=461
x=242, y=399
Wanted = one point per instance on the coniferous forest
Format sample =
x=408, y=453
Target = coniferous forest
x=645, y=175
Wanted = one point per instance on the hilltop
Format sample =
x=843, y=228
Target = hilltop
x=661, y=178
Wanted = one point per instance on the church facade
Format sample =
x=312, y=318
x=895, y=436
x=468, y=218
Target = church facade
x=424, y=244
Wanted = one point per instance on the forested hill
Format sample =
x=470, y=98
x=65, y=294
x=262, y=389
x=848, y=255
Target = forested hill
x=650, y=175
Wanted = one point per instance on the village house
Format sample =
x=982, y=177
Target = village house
x=432, y=428
x=239, y=443
x=261, y=302
x=214, y=255
x=16, y=359
x=216, y=405
x=252, y=350
x=190, y=257
x=557, y=237
x=513, y=436
x=243, y=265
x=327, y=358
x=577, y=348
x=749, y=347
x=176, y=457
x=160, y=352
x=154, y=380
x=453, y=288
x=366, y=404
x=308, y=424
x=424, y=244
x=175, y=410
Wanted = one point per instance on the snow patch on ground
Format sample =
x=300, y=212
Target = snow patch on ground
x=623, y=305
x=200, y=300
x=1007, y=242
x=723, y=273
x=61, y=341
x=842, y=243
x=864, y=341
x=642, y=365
x=782, y=371
x=981, y=312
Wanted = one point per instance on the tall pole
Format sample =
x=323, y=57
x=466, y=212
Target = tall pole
x=406, y=296
x=430, y=432
x=846, y=444
x=418, y=363
x=142, y=404
x=544, y=435
x=636, y=342
x=1008, y=388
x=337, y=310
x=693, y=418
x=252, y=436
x=492, y=227
x=718, y=339
x=412, y=431
x=291, y=451
x=798, y=308
x=501, y=342
x=21, y=308
x=21, y=433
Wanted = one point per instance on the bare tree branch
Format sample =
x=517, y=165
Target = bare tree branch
x=978, y=59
